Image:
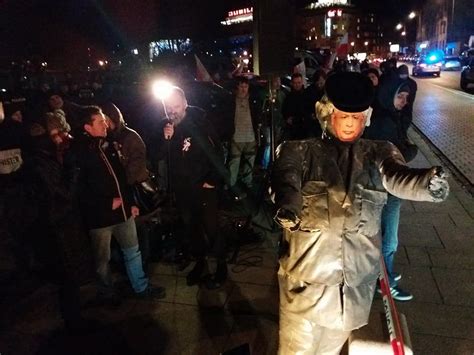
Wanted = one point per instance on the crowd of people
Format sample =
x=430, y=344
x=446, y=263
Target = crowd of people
x=71, y=176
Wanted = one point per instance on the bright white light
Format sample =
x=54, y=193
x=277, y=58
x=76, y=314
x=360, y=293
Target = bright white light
x=432, y=58
x=399, y=26
x=245, y=53
x=135, y=51
x=246, y=61
x=412, y=15
x=162, y=89
x=101, y=63
x=403, y=33
x=352, y=44
x=366, y=43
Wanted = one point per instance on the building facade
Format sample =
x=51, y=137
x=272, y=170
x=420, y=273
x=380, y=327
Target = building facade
x=322, y=25
x=446, y=25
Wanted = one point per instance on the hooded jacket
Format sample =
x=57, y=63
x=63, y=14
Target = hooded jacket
x=129, y=144
x=388, y=123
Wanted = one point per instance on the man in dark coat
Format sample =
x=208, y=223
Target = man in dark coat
x=107, y=206
x=196, y=170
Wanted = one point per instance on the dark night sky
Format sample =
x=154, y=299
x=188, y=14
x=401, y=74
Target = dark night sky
x=28, y=26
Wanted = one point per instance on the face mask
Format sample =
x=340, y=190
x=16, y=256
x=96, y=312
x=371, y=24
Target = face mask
x=403, y=76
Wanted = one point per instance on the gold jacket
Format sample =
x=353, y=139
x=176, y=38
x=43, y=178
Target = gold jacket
x=331, y=263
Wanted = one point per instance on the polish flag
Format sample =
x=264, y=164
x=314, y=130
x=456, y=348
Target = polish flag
x=201, y=72
x=341, y=51
x=343, y=47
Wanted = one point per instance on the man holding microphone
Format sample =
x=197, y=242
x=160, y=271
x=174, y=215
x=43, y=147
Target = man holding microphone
x=196, y=170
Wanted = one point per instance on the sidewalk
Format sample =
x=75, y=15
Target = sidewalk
x=435, y=258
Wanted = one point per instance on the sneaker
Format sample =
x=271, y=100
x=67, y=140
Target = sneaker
x=152, y=292
x=397, y=277
x=399, y=295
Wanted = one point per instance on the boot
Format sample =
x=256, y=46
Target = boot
x=194, y=275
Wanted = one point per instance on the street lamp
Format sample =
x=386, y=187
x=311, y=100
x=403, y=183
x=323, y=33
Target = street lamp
x=403, y=33
x=412, y=15
x=399, y=26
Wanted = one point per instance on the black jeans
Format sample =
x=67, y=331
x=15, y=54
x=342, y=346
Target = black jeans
x=199, y=230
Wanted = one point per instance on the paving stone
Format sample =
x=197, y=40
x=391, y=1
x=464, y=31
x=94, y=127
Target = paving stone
x=247, y=299
x=459, y=259
x=253, y=275
x=457, y=287
x=418, y=236
x=420, y=282
x=260, y=333
x=401, y=257
x=437, y=319
x=425, y=218
x=456, y=238
x=438, y=345
x=418, y=256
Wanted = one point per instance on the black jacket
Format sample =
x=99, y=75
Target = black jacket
x=195, y=151
x=101, y=178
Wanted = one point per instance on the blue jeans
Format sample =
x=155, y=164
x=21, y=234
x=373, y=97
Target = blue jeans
x=390, y=221
x=126, y=235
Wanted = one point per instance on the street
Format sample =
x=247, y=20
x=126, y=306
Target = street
x=445, y=116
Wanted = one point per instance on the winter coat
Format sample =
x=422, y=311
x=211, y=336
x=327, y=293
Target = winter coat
x=332, y=254
x=195, y=151
x=101, y=178
x=132, y=154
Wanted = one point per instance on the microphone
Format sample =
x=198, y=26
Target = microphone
x=168, y=122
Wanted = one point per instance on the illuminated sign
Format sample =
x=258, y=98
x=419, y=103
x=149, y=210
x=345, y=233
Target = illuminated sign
x=238, y=16
x=240, y=12
x=327, y=3
x=333, y=13
x=394, y=48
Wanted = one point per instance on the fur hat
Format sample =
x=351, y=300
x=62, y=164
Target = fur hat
x=349, y=91
x=57, y=120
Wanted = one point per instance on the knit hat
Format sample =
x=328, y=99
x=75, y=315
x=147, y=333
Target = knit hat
x=57, y=120
x=349, y=91
x=402, y=70
x=404, y=88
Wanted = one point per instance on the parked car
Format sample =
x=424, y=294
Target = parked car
x=425, y=66
x=467, y=75
x=451, y=63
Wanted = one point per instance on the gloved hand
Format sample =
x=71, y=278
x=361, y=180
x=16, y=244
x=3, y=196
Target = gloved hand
x=287, y=219
x=438, y=185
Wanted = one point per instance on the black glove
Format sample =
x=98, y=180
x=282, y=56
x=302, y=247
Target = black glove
x=287, y=219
